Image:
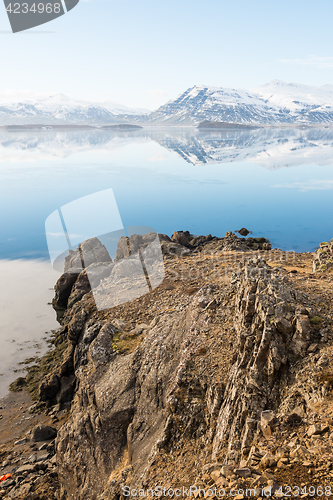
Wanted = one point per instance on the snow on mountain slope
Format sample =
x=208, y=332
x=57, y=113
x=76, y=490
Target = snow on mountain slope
x=60, y=109
x=201, y=103
x=296, y=97
x=273, y=103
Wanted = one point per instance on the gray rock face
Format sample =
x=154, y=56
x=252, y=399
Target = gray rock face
x=130, y=246
x=49, y=387
x=84, y=269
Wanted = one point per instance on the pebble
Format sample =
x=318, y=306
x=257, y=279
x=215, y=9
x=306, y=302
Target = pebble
x=21, y=441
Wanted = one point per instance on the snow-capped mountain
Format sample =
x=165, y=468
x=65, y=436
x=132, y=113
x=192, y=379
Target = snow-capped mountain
x=313, y=104
x=202, y=103
x=274, y=103
x=60, y=109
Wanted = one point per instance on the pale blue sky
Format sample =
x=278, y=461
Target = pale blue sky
x=142, y=53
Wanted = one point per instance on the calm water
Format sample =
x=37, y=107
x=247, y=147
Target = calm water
x=25, y=316
x=276, y=182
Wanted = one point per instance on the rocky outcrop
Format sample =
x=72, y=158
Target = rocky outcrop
x=211, y=379
x=90, y=263
x=163, y=394
x=229, y=242
x=213, y=372
x=273, y=331
x=90, y=257
x=323, y=259
x=89, y=252
x=63, y=288
x=182, y=237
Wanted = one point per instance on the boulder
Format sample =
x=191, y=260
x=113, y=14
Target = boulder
x=267, y=422
x=94, y=252
x=43, y=433
x=243, y=231
x=181, y=237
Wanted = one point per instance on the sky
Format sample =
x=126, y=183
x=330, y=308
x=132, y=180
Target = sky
x=141, y=54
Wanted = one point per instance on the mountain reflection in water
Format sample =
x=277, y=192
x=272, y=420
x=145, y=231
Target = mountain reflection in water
x=270, y=147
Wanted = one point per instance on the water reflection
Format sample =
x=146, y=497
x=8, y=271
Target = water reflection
x=271, y=148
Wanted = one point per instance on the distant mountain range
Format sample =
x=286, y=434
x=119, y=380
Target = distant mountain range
x=272, y=104
x=58, y=109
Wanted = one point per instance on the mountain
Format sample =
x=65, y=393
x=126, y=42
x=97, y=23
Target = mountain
x=274, y=103
x=60, y=109
x=306, y=103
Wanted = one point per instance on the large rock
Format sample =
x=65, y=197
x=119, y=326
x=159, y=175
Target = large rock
x=91, y=251
x=43, y=433
x=128, y=246
x=85, y=267
x=63, y=288
x=182, y=237
x=243, y=231
x=301, y=338
x=49, y=387
x=267, y=423
x=89, y=279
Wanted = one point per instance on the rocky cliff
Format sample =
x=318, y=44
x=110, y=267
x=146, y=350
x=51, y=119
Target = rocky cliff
x=221, y=377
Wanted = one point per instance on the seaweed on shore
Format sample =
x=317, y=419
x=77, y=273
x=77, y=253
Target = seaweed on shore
x=43, y=366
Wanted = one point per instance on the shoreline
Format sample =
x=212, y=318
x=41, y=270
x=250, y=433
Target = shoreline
x=118, y=127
